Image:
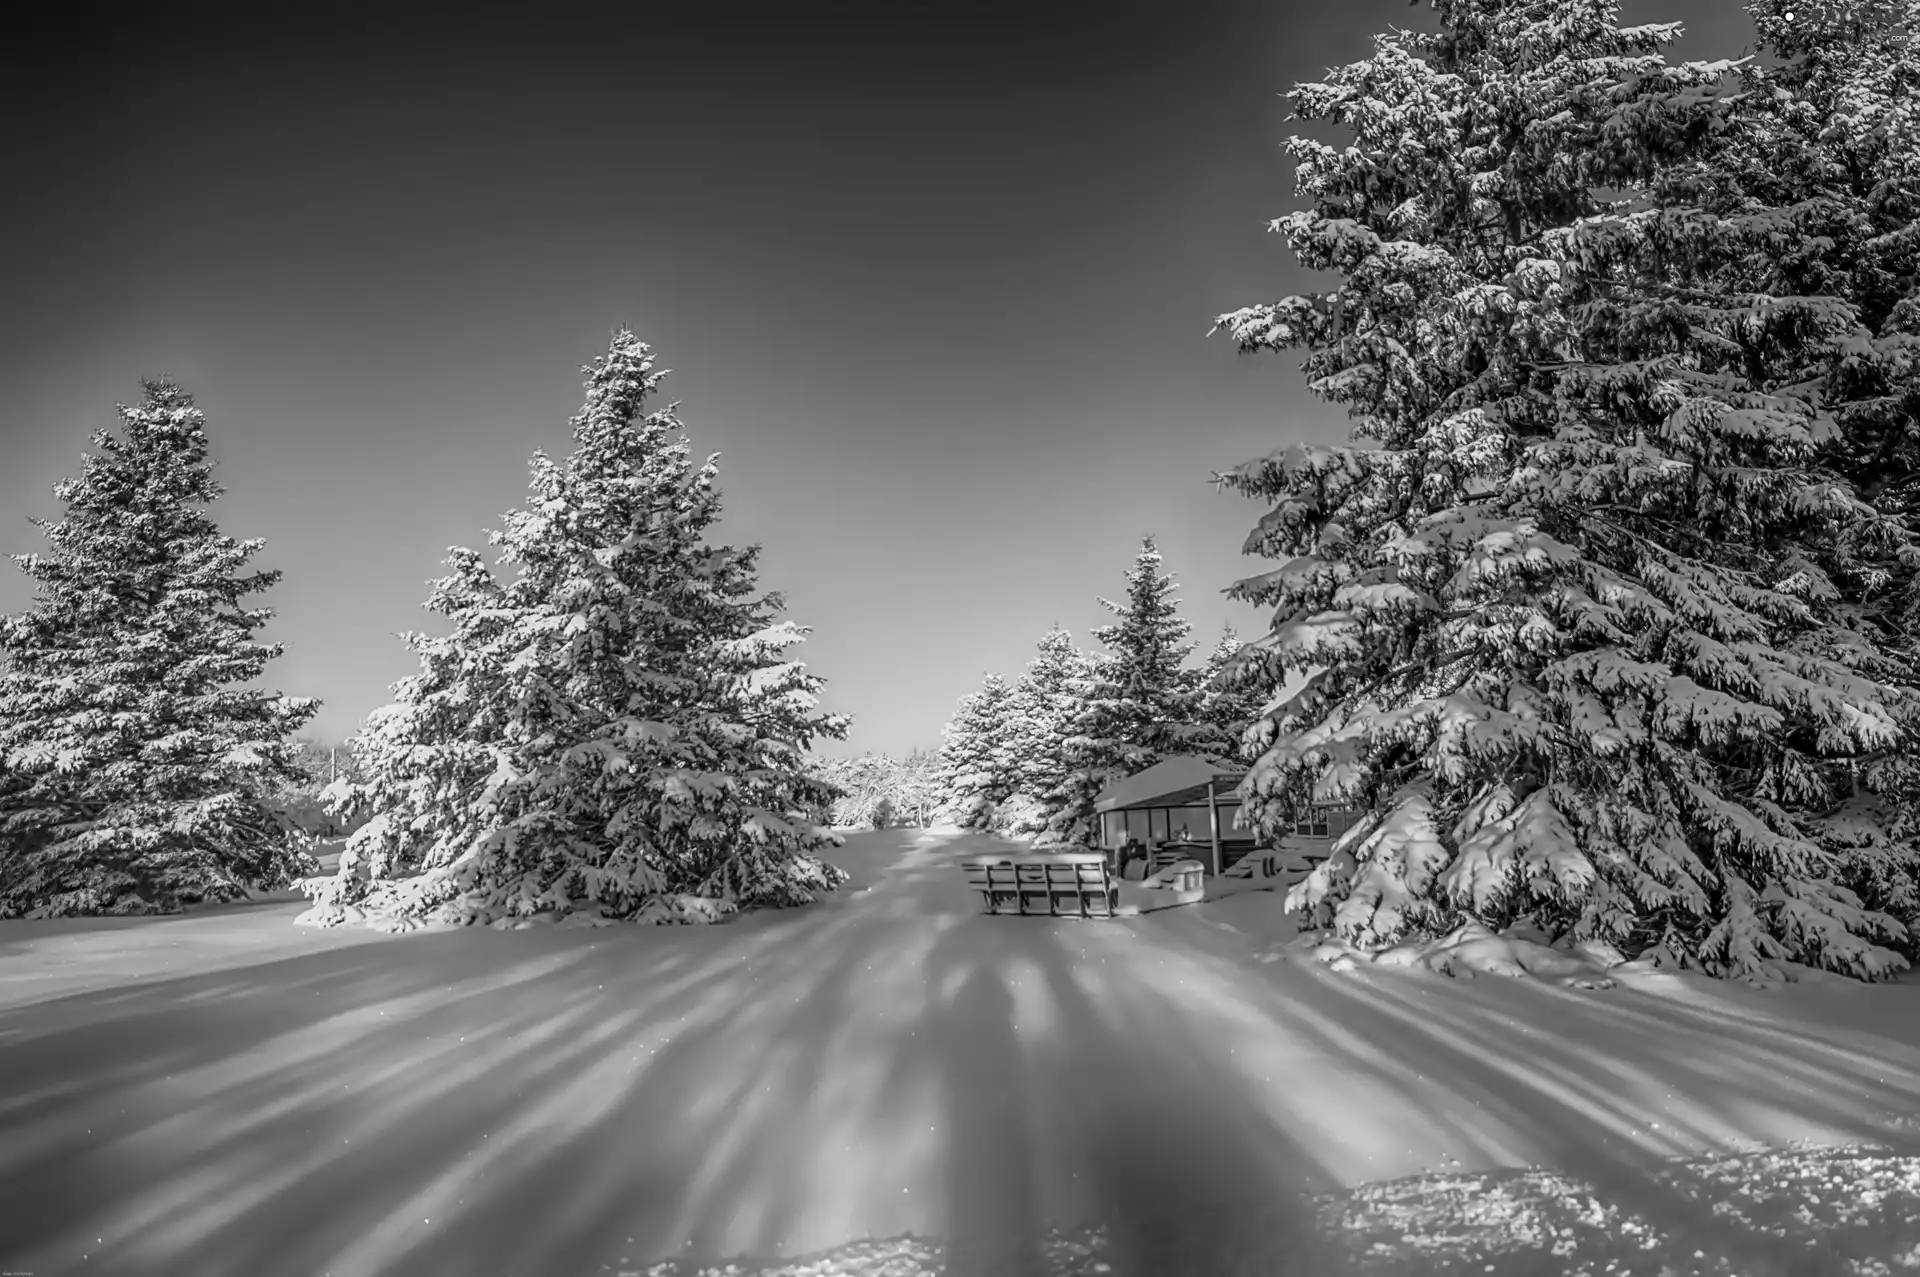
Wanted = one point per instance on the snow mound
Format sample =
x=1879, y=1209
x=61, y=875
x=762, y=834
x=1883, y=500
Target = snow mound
x=1845, y=1212
x=1526, y=952
x=659, y=911
x=1081, y=1253
x=1833, y=1211
x=1519, y=952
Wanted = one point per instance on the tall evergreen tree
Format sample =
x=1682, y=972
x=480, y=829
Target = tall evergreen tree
x=616, y=733
x=1581, y=620
x=974, y=779
x=1139, y=702
x=139, y=771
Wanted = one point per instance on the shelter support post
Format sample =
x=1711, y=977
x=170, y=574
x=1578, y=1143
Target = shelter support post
x=1213, y=822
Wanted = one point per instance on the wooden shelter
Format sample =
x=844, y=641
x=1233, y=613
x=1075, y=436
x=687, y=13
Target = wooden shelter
x=1190, y=797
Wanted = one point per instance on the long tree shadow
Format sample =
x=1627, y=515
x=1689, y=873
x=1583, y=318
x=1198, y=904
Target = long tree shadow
x=716, y=1150
x=992, y=1219
x=1184, y=1168
x=229, y=1124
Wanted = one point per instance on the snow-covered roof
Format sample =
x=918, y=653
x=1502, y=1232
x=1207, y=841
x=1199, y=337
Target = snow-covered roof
x=1172, y=782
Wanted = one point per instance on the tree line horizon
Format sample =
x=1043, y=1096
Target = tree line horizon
x=1607, y=622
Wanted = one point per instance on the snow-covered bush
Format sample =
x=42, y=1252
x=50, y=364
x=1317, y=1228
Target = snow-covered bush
x=1041, y=711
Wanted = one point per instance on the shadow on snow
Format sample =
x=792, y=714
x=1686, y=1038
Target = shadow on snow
x=888, y=1062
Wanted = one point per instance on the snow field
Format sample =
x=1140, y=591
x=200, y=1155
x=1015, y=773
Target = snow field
x=1183, y=1091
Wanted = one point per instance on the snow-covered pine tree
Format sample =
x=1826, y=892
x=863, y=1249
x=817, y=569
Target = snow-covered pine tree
x=973, y=778
x=616, y=733
x=1138, y=700
x=139, y=767
x=1578, y=618
x=1042, y=710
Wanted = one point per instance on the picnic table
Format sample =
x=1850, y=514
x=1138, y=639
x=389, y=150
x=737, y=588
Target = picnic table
x=1025, y=881
x=1172, y=851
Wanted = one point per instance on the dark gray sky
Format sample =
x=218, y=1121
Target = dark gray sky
x=935, y=279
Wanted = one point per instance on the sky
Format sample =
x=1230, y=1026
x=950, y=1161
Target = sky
x=935, y=280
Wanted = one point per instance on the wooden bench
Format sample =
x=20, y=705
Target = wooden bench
x=1058, y=884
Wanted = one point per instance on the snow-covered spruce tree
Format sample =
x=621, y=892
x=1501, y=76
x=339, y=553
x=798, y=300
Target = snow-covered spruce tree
x=1042, y=709
x=614, y=734
x=974, y=780
x=1579, y=621
x=139, y=770
x=1139, y=702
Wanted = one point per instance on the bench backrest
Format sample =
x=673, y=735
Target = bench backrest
x=998, y=876
x=1037, y=876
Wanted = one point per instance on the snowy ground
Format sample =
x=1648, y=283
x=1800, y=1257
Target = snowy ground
x=1174, y=1093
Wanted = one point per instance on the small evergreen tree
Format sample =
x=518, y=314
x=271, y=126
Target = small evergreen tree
x=1042, y=710
x=1583, y=623
x=974, y=779
x=616, y=733
x=1231, y=698
x=320, y=765
x=137, y=776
